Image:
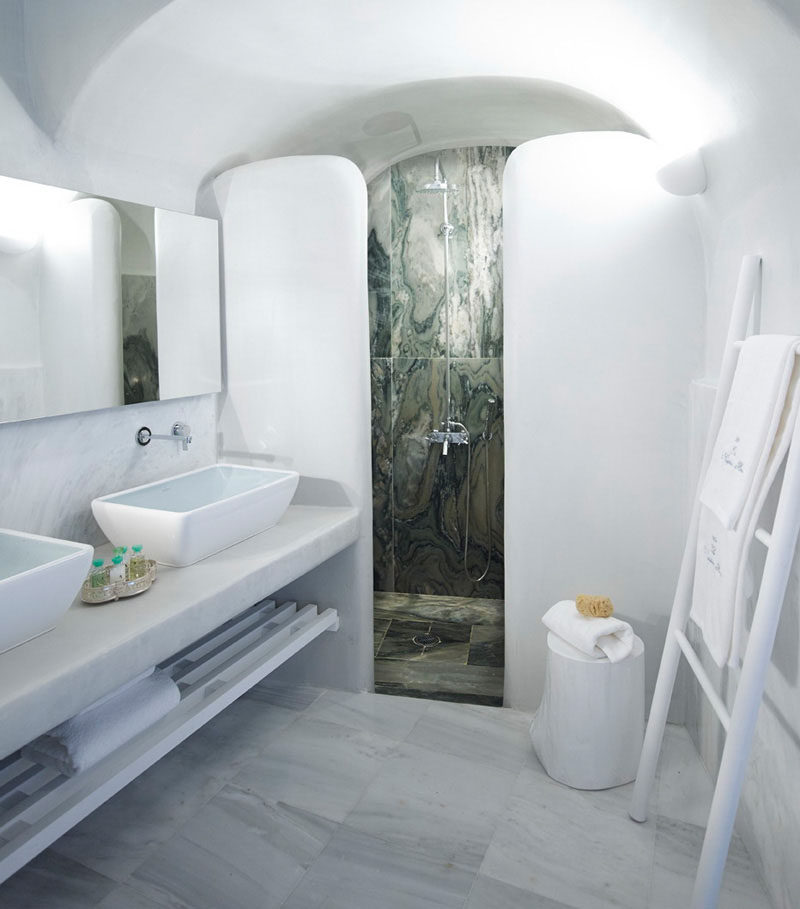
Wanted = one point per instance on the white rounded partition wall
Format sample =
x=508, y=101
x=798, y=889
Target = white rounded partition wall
x=604, y=305
x=297, y=368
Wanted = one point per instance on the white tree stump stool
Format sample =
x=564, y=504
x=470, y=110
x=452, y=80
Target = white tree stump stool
x=589, y=727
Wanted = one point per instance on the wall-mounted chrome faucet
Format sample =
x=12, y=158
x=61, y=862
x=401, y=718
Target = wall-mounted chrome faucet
x=181, y=432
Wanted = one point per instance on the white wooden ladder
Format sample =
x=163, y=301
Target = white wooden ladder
x=740, y=723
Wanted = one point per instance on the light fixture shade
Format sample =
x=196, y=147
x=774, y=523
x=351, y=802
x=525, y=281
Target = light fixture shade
x=685, y=176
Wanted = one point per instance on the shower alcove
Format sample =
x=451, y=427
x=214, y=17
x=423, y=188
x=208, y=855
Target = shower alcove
x=438, y=630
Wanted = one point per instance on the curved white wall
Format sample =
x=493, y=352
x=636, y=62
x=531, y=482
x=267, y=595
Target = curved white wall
x=297, y=363
x=604, y=310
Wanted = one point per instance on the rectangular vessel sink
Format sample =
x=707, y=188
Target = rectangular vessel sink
x=39, y=579
x=186, y=518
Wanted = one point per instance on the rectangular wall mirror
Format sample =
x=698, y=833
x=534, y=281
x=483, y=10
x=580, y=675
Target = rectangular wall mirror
x=103, y=302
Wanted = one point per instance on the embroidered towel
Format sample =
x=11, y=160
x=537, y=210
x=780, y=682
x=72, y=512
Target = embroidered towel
x=82, y=741
x=596, y=637
x=719, y=595
x=751, y=418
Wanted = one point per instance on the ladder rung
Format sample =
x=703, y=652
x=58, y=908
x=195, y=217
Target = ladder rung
x=763, y=537
x=702, y=676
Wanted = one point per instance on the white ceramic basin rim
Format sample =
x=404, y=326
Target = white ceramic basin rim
x=186, y=518
x=39, y=579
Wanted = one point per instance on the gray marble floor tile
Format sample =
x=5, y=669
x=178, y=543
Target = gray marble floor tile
x=249, y=839
x=358, y=871
x=440, y=680
x=392, y=717
x=125, y=897
x=237, y=735
x=284, y=694
x=380, y=627
x=52, y=881
x=677, y=852
x=554, y=842
x=468, y=610
x=182, y=875
x=487, y=646
x=685, y=789
x=489, y=735
x=405, y=641
x=434, y=803
x=318, y=766
x=120, y=835
x=487, y=893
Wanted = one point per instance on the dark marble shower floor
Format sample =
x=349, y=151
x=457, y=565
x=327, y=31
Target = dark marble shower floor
x=465, y=661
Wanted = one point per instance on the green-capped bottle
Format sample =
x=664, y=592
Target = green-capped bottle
x=99, y=575
x=137, y=564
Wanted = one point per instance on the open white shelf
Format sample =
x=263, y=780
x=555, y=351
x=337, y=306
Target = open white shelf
x=38, y=805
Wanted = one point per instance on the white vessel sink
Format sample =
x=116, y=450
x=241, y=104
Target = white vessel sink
x=186, y=518
x=39, y=579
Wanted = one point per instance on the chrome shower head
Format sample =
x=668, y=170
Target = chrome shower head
x=439, y=183
x=438, y=186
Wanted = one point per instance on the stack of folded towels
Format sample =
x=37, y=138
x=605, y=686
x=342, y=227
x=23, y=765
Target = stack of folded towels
x=95, y=732
x=587, y=625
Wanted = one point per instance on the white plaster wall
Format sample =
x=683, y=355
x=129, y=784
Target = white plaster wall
x=297, y=368
x=187, y=311
x=604, y=309
x=80, y=308
x=751, y=206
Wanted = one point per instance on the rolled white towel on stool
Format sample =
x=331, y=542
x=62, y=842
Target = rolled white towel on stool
x=596, y=637
x=95, y=732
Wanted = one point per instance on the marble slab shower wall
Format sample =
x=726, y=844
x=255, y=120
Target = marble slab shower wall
x=430, y=490
x=417, y=255
x=419, y=495
x=379, y=277
x=382, y=498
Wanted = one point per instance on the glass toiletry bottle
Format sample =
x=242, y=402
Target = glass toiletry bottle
x=117, y=569
x=137, y=564
x=98, y=576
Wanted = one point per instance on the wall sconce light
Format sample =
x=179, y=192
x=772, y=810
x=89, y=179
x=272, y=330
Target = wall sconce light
x=685, y=176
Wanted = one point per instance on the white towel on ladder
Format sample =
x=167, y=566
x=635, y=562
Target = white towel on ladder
x=718, y=599
x=748, y=427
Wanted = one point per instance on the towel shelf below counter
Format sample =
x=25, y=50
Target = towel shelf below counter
x=38, y=805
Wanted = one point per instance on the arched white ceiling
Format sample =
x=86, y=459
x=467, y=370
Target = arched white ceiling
x=193, y=86
x=178, y=90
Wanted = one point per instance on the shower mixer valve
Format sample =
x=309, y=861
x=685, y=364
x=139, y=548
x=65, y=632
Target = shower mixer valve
x=451, y=433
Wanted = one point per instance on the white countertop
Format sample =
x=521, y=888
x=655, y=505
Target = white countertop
x=95, y=649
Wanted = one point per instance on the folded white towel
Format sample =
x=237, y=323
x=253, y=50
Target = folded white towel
x=720, y=587
x=86, y=738
x=751, y=418
x=596, y=637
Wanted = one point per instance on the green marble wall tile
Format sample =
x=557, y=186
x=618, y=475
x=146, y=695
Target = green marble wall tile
x=379, y=266
x=426, y=507
x=382, y=523
x=418, y=274
x=430, y=490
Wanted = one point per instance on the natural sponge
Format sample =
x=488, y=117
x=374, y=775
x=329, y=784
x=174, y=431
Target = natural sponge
x=597, y=607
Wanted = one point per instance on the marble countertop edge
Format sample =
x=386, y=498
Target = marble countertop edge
x=95, y=649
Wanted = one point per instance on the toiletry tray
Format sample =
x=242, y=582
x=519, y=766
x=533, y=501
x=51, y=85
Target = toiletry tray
x=94, y=596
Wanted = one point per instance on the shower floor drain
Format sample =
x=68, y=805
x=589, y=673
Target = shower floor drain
x=426, y=640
